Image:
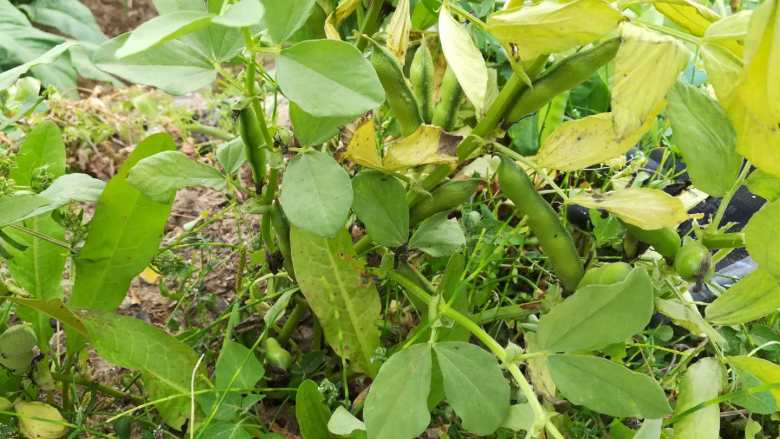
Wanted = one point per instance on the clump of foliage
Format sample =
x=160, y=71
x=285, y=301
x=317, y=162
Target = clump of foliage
x=407, y=254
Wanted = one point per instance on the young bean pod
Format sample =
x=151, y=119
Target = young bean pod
x=450, y=97
x=665, y=241
x=693, y=261
x=421, y=76
x=400, y=96
x=568, y=74
x=446, y=197
x=253, y=143
x=555, y=240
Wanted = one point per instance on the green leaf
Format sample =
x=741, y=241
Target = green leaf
x=123, y=235
x=161, y=29
x=380, y=203
x=700, y=383
x=598, y=315
x=687, y=315
x=245, y=13
x=764, y=185
x=17, y=208
x=759, y=372
x=175, y=67
x=8, y=77
x=396, y=406
x=313, y=130
x=438, y=236
x=55, y=309
x=651, y=429
x=283, y=17
x=70, y=17
x=521, y=417
x=752, y=297
x=225, y=430
x=474, y=386
x=159, y=176
x=73, y=187
x=168, y=6
x=344, y=423
x=311, y=412
x=464, y=58
x=607, y=387
x=237, y=367
x=316, y=193
x=762, y=238
x=42, y=148
x=707, y=141
x=166, y=363
x=312, y=73
x=231, y=155
x=340, y=292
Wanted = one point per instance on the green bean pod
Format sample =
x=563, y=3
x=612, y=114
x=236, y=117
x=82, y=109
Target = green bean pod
x=450, y=97
x=276, y=355
x=421, y=76
x=665, y=241
x=568, y=74
x=446, y=197
x=249, y=129
x=555, y=240
x=282, y=229
x=400, y=96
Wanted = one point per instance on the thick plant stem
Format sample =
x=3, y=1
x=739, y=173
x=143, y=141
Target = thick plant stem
x=292, y=321
x=370, y=23
x=540, y=415
x=498, y=109
x=726, y=200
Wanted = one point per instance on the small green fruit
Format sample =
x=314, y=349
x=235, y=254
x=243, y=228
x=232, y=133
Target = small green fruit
x=276, y=355
x=38, y=420
x=605, y=274
x=16, y=348
x=693, y=261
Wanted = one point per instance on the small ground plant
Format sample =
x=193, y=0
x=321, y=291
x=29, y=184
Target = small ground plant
x=435, y=219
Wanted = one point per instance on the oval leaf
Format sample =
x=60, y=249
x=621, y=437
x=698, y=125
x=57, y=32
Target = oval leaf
x=438, y=236
x=648, y=209
x=380, y=203
x=700, y=383
x=607, y=387
x=762, y=238
x=313, y=72
x=464, y=58
x=752, y=297
x=161, y=175
x=316, y=193
x=163, y=28
x=598, y=315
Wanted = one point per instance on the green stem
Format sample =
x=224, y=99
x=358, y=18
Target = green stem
x=251, y=91
x=211, y=131
x=540, y=415
x=370, y=23
x=498, y=109
x=723, y=240
x=292, y=322
x=510, y=312
x=724, y=203
x=41, y=236
x=99, y=387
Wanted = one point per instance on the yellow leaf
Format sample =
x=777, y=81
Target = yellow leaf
x=150, y=276
x=766, y=371
x=694, y=17
x=38, y=420
x=646, y=66
x=648, y=209
x=730, y=32
x=723, y=69
x=577, y=144
x=361, y=148
x=428, y=145
x=464, y=58
x=398, y=30
x=335, y=18
x=754, y=105
x=552, y=26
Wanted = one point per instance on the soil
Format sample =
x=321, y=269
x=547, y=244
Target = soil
x=116, y=17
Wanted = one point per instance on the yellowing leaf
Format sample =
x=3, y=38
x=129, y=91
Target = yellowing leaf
x=577, y=144
x=398, y=30
x=150, y=276
x=766, y=371
x=648, y=209
x=646, y=66
x=754, y=106
x=361, y=148
x=730, y=32
x=723, y=69
x=687, y=13
x=553, y=26
x=464, y=58
x=335, y=18
x=38, y=420
x=428, y=145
